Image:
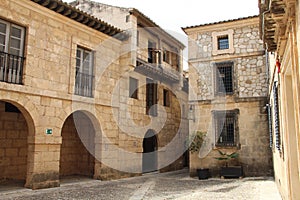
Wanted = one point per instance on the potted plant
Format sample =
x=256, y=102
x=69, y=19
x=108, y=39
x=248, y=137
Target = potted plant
x=195, y=142
x=229, y=171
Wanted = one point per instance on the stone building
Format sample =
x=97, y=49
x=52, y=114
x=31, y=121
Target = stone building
x=228, y=95
x=279, y=30
x=156, y=65
x=74, y=100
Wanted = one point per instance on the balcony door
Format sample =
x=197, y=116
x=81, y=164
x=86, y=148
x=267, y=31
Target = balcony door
x=11, y=52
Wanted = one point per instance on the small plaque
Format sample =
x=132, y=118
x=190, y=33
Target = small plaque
x=49, y=131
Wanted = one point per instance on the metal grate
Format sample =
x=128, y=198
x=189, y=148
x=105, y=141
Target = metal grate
x=84, y=84
x=223, y=42
x=226, y=129
x=276, y=117
x=224, y=79
x=270, y=119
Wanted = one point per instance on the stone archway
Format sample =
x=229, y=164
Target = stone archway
x=150, y=147
x=78, y=146
x=15, y=127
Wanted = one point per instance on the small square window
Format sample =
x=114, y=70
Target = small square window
x=166, y=98
x=133, y=88
x=223, y=42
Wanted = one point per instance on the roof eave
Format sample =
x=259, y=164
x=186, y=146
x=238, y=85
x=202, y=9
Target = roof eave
x=75, y=14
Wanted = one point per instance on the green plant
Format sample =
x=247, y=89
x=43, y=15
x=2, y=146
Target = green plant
x=226, y=157
x=195, y=141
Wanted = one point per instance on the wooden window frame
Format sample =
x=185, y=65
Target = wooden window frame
x=83, y=74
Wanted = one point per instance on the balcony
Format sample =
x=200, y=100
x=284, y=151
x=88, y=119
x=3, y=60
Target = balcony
x=157, y=72
x=84, y=84
x=11, y=68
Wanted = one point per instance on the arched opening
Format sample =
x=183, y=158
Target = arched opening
x=14, y=130
x=78, y=144
x=149, y=152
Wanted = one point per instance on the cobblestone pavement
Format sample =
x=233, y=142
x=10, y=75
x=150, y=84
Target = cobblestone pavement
x=173, y=185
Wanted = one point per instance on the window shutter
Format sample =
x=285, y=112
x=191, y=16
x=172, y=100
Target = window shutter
x=270, y=125
x=276, y=115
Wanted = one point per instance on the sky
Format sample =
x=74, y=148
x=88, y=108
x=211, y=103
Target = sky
x=171, y=15
x=174, y=14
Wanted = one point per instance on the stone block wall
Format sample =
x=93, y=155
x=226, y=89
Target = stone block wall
x=253, y=143
x=246, y=53
x=169, y=124
x=248, y=61
x=46, y=99
x=13, y=145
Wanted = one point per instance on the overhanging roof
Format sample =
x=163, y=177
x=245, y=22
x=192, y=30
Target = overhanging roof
x=75, y=14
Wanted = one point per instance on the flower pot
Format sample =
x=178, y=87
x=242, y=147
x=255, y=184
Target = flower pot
x=203, y=173
x=231, y=172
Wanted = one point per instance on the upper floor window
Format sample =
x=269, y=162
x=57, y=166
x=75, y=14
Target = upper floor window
x=223, y=42
x=226, y=128
x=151, y=97
x=224, y=78
x=12, y=39
x=133, y=88
x=138, y=38
x=84, y=77
x=151, y=52
x=166, y=56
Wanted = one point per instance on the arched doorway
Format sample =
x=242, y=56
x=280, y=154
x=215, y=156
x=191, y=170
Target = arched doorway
x=14, y=131
x=77, y=149
x=150, y=152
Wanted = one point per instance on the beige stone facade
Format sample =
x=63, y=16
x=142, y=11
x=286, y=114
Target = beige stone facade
x=65, y=101
x=280, y=32
x=228, y=95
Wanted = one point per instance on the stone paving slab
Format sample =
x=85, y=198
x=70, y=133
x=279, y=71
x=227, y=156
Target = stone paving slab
x=166, y=186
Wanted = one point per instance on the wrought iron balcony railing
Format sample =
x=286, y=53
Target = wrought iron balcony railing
x=11, y=68
x=84, y=84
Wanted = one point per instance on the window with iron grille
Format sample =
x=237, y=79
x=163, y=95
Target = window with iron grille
x=84, y=77
x=224, y=78
x=11, y=52
x=223, y=42
x=276, y=116
x=133, y=88
x=226, y=128
x=270, y=120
